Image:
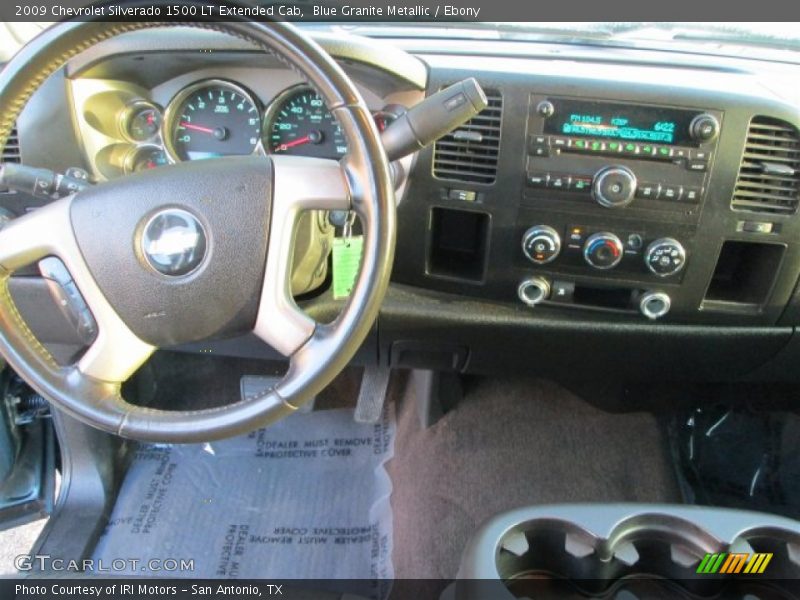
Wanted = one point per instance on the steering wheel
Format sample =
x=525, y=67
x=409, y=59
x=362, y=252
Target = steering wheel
x=197, y=250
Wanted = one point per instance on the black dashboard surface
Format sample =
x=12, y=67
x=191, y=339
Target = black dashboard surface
x=469, y=201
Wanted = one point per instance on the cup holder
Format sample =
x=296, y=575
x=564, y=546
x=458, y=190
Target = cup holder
x=632, y=552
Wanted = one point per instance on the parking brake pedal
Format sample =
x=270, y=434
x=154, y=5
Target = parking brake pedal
x=372, y=394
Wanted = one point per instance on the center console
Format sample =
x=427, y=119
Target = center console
x=630, y=551
x=638, y=199
x=621, y=186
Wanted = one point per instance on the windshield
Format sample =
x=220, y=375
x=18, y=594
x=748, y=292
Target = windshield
x=735, y=39
x=722, y=38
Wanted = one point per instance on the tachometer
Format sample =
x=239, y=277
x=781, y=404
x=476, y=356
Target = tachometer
x=298, y=122
x=212, y=118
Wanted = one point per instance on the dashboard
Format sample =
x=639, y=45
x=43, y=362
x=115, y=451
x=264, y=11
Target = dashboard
x=630, y=212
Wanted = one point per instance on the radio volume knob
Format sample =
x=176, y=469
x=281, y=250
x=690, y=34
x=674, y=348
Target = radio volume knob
x=704, y=128
x=603, y=250
x=541, y=244
x=614, y=187
x=665, y=257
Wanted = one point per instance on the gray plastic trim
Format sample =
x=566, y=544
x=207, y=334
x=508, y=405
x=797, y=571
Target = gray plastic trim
x=300, y=184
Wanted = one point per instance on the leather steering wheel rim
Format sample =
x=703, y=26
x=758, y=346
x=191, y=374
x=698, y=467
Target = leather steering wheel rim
x=93, y=394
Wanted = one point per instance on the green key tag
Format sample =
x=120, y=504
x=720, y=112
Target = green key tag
x=346, y=261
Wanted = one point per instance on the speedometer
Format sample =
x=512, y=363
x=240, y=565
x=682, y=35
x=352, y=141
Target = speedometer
x=212, y=118
x=298, y=122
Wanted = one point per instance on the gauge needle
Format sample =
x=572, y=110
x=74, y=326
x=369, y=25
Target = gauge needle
x=298, y=142
x=196, y=127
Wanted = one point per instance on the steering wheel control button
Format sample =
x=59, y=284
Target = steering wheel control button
x=665, y=257
x=614, y=187
x=534, y=291
x=603, y=250
x=654, y=305
x=541, y=244
x=174, y=242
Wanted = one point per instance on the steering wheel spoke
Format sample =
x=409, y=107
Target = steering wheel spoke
x=116, y=352
x=299, y=184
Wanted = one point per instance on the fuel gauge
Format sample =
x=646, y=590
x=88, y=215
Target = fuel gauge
x=145, y=158
x=141, y=121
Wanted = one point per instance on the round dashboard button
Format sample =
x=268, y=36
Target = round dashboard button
x=614, y=187
x=603, y=250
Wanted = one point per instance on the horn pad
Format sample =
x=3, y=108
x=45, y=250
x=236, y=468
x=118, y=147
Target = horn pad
x=180, y=251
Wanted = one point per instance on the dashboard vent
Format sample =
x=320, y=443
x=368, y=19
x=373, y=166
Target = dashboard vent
x=11, y=149
x=769, y=176
x=470, y=153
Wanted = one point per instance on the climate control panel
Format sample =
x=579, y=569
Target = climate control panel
x=597, y=251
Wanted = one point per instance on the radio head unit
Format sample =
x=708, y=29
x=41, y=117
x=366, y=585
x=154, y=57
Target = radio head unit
x=589, y=154
x=616, y=121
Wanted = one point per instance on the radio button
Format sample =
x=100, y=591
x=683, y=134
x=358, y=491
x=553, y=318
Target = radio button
x=560, y=142
x=699, y=166
x=559, y=182
x=630, y=148
x=597, y=146
x=538, y=179
x=664, y=152
x=692, y=194
x=671, y=192
x=703, y=155
x=614, y=147
x=580, y=144
x=649, y=191
x=647, y=150
x=581, y=184
x=540, y=151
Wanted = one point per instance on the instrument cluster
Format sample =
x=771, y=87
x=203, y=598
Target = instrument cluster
x=217, y=117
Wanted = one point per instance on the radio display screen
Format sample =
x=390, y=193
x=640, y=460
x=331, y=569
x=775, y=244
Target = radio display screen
x=620, y=121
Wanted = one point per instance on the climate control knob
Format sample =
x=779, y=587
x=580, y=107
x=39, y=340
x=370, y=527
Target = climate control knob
x=541, y=244
x=603, y=250
x=614, y=187
x=665, y=257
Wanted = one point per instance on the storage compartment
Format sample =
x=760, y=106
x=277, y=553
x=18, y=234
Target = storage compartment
x=458, y=244
x=745, y=273
x=603, y=297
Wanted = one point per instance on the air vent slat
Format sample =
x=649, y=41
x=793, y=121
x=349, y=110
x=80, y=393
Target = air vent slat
x=11, y=152
x=470, y=153
x=769, y=175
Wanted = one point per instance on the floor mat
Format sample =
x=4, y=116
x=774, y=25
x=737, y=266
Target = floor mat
x=305, y=498
x=740, y=456
x=513, y=442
